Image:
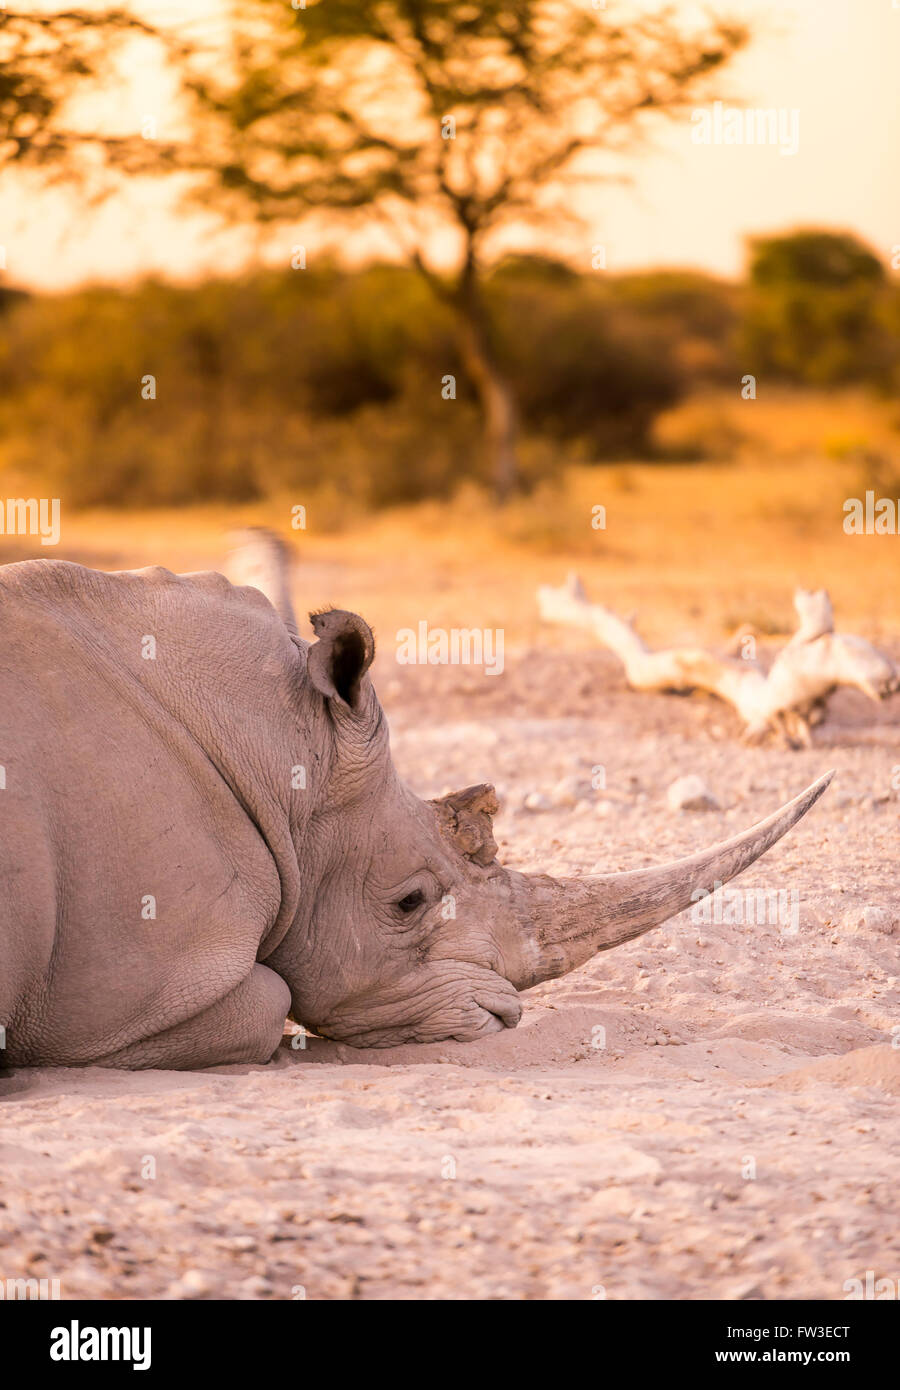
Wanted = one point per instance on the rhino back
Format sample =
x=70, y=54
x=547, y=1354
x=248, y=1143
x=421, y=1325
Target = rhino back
x=135, y=882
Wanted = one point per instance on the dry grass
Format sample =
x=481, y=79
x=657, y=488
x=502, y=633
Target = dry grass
x=694, y=548
x=781, y=423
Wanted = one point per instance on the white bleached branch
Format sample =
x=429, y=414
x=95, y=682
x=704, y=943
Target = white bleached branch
x=788, y=699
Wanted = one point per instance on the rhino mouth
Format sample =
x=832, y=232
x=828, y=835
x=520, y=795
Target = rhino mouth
x=496, y=1024
x=499, y=1017
x=466, y=1019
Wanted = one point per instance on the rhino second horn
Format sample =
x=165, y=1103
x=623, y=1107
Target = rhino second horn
x=564, y=922
x=466, y=819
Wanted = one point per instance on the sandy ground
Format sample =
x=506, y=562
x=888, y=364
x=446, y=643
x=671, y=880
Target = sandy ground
x=711, y=1111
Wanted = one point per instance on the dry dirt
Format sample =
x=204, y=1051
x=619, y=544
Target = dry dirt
x=708, y=1112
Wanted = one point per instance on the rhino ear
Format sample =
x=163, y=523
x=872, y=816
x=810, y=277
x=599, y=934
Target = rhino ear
x=342, y=656
x=466, y=820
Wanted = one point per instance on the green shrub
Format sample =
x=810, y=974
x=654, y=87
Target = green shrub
x=817, y=312
x=298, y=380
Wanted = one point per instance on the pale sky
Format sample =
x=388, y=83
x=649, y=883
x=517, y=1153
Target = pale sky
x=835, y=62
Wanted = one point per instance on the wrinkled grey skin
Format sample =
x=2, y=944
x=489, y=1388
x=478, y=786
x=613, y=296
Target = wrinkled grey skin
x=169, y=888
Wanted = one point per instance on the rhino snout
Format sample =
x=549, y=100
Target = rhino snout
x=500, y=1014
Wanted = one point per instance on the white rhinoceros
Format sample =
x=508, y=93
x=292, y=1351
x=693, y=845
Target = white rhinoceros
x=201, y=829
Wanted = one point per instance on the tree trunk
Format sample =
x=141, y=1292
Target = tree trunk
x=495, y=395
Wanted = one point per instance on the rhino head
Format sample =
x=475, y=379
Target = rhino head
x=412, y=930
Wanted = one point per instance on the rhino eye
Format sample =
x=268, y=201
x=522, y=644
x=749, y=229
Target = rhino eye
x=411, y=901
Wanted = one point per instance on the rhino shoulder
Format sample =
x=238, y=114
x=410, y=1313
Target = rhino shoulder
x=67, y=579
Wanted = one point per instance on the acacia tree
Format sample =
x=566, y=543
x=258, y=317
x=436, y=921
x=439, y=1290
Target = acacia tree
x=47, y=56
x=445, y=120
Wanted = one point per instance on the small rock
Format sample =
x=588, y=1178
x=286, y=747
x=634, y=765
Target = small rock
x=192, y=1284
x=536, y=801
x=570, y=790
x=691, y=794
x=254, y=1287
x=871, y=919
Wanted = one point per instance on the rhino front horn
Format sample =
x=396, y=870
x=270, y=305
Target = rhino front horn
x=564, y=922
